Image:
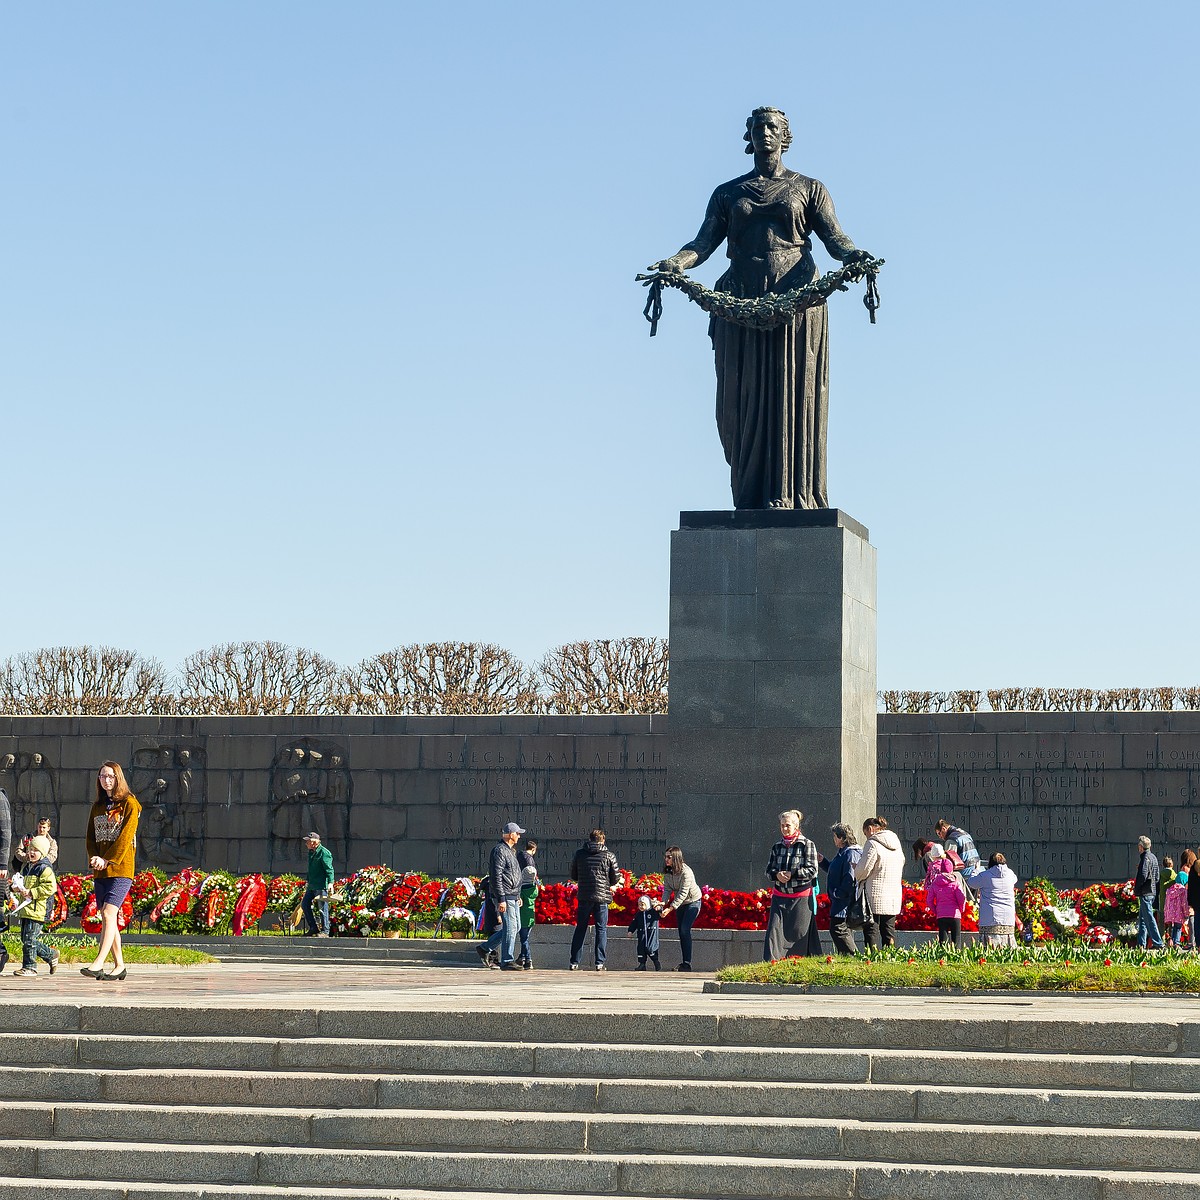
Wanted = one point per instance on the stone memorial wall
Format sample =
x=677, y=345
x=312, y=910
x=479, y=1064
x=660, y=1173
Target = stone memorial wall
x=1061, y=794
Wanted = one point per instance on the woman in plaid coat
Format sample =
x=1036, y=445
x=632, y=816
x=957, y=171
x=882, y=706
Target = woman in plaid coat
x=792, y=871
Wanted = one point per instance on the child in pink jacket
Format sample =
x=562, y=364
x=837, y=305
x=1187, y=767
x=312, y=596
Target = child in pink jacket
x=947, y=896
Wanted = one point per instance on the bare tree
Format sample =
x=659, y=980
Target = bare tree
x=258, y=679
x=83, y=681
x=612, y=675
x=462, y=678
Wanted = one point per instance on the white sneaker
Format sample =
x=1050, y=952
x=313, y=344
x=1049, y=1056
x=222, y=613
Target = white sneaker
x=574, y=967
x=600, y=967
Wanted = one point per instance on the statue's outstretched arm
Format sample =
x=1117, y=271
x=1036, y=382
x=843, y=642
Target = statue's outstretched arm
x=712, y=234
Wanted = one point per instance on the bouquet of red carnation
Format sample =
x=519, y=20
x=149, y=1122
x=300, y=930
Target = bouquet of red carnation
x=556, y=904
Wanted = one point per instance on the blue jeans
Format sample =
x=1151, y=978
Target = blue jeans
x=686, y=916
x=597, y=909
x=32, y=946
x=1147, y=925
x=505, y=938
x=311, y=918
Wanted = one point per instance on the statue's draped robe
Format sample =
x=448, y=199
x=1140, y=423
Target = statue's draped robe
x=773, y=384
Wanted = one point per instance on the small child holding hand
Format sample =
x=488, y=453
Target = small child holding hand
x=645, y=927
x=39, y=885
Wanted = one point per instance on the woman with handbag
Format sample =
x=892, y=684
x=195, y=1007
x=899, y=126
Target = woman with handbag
x=845, y=903
x=881, y=872
x=792, y=870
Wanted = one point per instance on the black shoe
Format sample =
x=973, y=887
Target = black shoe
x=641, y=964
x=89, y=971
x=528, y=964
x=511, y=966
x=684, y=967
x=484, y=955
x=108, y=977
x=657, y=964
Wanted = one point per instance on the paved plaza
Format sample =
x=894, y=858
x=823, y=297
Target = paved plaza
x=397, y=988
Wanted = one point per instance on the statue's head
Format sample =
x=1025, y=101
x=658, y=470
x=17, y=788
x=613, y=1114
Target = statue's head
x=767, y=115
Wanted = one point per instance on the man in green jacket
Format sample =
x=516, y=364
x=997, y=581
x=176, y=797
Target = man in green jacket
x=320, y=879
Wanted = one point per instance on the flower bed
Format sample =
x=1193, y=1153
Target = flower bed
x=377, y=899
x=1055, y=966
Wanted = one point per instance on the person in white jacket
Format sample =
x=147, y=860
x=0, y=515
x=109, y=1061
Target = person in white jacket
x=880, y=871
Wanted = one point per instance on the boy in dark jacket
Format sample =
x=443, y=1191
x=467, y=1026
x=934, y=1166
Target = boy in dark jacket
x=645, y=926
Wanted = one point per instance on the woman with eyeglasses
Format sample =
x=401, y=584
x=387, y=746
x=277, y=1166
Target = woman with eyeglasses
x=111, y=842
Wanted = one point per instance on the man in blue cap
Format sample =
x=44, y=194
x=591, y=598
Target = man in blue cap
x=504, y=883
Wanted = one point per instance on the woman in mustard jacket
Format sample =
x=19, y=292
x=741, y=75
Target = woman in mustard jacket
x=111, y=840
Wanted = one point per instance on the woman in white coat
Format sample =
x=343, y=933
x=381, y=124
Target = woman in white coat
x=880, y=871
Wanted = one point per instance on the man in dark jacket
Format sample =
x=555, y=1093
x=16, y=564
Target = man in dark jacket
x=504, y=887
x=1145, y=887
x=594, y=868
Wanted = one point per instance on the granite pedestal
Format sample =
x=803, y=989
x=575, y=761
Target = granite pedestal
x=772, y=684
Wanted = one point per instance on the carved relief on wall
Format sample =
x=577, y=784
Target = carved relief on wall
x=311, y=788
x=32, y=787
x=170, y=782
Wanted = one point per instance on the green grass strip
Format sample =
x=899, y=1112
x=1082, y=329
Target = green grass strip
x=83, y=950
x=1058, y=967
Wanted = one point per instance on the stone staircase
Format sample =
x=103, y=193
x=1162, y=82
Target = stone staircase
x=156, y=1100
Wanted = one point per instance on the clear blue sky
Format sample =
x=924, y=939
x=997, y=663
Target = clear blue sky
x=319, y=321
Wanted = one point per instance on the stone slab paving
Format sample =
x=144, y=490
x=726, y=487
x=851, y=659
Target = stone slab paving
x=399, y=989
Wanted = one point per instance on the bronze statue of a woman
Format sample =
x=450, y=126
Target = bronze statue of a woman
x=772, y=384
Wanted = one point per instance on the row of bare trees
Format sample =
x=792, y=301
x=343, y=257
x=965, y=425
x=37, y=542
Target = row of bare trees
x=1036, y=699
x=610, y=675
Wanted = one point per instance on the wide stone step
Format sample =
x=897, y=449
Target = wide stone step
x=714, y=1099
x=776, y=1137
x=818, y=1065
x=1113, y=1036
x=599, y=1174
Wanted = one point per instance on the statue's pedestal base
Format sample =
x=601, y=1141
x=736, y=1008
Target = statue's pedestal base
x=772, y=702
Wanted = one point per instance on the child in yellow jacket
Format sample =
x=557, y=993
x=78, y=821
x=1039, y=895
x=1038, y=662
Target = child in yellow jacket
x=39, y=885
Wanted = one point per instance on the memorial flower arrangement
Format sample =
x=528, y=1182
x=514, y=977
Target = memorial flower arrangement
x=1109, y=903
x=351, y=920
x=251, y=904
x=75, y=889
x=58, y=913
x=400, y=894
x=172, y=911
x=367, y=885
x=377, y=898
x=146, y=886
x=391, y=920
x=90, y=921
x=284, y=892
x=213, y=910
x=457, y=919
